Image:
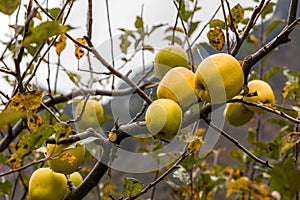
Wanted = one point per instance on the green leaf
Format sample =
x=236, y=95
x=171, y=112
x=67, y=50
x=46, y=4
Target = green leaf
x=138, y=22
x=193, y=27
x=44, y=31
x=285, y=179
x=273, y=25
x=188, y=162
x=177, y=39
x=125, y=42
x=132, y=186
x=217, y=23
x=268, y=9
x=289, y=141
x=252, y=39
x=10, y=116
x=54, y=13
x=32, y=141
x=237, y=14
x=9, y=6
x=5, y=187
x=273, y=71
x=216, y=38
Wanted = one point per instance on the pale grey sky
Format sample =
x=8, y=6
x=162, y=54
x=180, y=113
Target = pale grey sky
x=123, y=14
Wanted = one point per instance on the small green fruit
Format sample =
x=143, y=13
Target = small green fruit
x=163, y=118
x=237, y=114
x=169, y=57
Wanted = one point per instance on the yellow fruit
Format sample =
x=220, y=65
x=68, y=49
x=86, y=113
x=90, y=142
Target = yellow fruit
x=45, y=184
x=237, y=114
x=92, y=116
x=66, y=159
x=218, y=78
x=76, y=179
x=264, y=92
x=169, y=57
x=163, y=118
x=178, y=85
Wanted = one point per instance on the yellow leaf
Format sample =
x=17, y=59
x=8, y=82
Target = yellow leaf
x=285, y=90
x=216, y=38
x=60, y=44
x=259, y=191
x=29, y=100
x=79, y=52
x=34, y=121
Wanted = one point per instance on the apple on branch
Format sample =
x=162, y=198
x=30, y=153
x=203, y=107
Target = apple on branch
x=259, y=92
x=168, y=58
x=218, y=78
x=45, y=184
x=237, y=114
x=163, y=118
x=178, y=85
x=92, y=116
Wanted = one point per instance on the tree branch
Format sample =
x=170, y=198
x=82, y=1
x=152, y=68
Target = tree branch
x=292, y=11
x=117, y=73
x=257, y=10
x=281, y=38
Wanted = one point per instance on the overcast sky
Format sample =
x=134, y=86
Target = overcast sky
x=122, y=14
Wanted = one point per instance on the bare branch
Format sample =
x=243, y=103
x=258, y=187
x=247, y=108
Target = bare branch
x=281, y=38
x=117, y=73
x=257, y=10
x=292, y=11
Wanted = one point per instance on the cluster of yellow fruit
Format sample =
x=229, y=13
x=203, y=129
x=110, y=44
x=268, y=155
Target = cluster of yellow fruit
x=45, y=184
x=217, y=79
x=238, y=114
x=64, y=159
x=51, y=183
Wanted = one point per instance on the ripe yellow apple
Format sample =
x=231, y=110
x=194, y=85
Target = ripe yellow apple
x=218, y=78
x=163, y=118
x=264, y=92
x=92, y=116
x=178, y=85
x=45, y=184
x=66, y=159
x=169, y=57
x=237, y=114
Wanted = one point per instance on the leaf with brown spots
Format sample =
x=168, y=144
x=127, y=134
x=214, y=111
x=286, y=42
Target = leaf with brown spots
x=216, y=38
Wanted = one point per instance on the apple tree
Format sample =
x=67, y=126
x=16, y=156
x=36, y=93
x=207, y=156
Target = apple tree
x=193, y=109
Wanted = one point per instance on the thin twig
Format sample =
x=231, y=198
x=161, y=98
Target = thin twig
x=257, y=10
x=111, y=42
x=269, y=109
x=117, y=73
x=226, y=26
x=166, y=173
x=239, y=145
